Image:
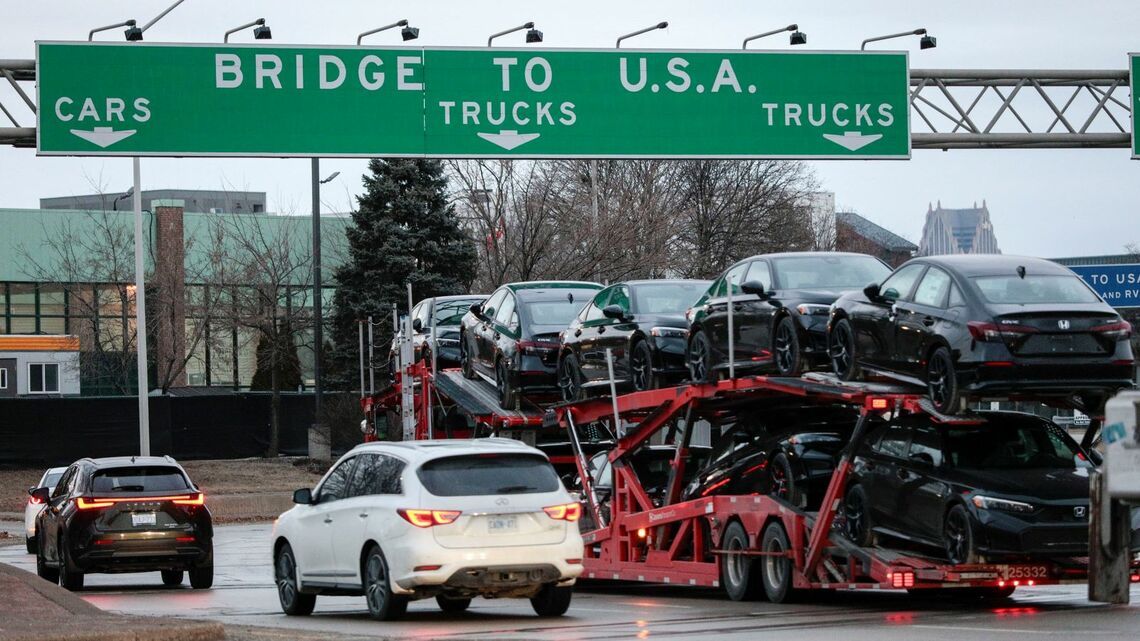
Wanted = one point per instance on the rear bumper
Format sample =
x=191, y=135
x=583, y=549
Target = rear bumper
x=141, y=552
x=1053, y=375
x=496, y=571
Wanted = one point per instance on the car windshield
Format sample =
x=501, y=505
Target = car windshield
x=559, y=311
x=139, y=479
x=450, y=312
x=1018, y=446
x=1035, y=288
x=483, y=474
x=667, y=298
x=828, y=272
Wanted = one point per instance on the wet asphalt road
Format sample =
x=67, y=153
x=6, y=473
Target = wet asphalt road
x=244, y=594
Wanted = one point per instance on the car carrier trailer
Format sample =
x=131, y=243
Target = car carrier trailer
x=748, y=545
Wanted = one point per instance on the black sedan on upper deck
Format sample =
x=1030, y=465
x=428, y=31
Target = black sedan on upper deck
x=780, y=306
x=512, y=337
x=642, y=323
x=972, y=325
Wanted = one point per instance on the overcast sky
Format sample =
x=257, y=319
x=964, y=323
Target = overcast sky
x=1043, y=202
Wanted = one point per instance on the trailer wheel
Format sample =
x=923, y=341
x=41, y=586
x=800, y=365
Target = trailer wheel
x=738, y=572
x=776, y=570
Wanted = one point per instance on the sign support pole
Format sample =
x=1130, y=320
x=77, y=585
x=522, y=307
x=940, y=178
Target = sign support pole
x=140, y=317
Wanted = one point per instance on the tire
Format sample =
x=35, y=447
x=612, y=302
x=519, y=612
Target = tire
x=841, y=351
x=202, y=575
x=69, y=579
x=641, y=376
x=739, y=574
x=293, y=602
x=786, y=348
x=172, y=577
x=43, y=571
x=508, y=395
x=857, y=524
x=466, y=360
x=776, y=571
x=942, y=382
x=30, y=544
x=382, y=604
x=552, y=600
x=782, y=481
x=570, y=377
x=449, y=604
x=699, y=358
x=958, y=536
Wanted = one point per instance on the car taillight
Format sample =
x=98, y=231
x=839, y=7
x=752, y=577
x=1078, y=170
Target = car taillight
x=193, y=499
x=536, y=347
x=428, y=518
x=564, y=512
x=994, y=333
x=91, y=504
x=1117, y=331
x=34, y=500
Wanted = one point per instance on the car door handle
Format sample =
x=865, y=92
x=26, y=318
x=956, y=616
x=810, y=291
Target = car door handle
x=363, y=515
x=929, y=321
x=577, y=332
x=602, y=330
x=328, y=520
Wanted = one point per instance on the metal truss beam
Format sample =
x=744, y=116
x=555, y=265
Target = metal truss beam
x=950, y=108
x=1019, y=109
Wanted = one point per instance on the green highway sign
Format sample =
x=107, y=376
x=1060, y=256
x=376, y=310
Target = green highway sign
x=1133, y=67
x=251, y=100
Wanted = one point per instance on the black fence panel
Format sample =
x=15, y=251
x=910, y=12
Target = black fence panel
x=56, y=431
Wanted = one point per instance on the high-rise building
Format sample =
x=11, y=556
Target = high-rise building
x=958, y=231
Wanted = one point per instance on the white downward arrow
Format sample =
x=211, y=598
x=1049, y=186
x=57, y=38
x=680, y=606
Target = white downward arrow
x=103, y=136
x=508, y=139
x=852, y=140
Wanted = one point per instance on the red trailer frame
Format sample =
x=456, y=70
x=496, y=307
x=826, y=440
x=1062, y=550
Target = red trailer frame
x=683, y=542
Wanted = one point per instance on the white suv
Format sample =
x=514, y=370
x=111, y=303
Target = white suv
x=452, y=519
x=34, y=505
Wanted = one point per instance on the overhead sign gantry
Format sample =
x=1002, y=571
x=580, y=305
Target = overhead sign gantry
x=211, y=100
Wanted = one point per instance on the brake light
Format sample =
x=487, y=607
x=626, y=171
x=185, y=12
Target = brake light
x=564, y=512
x=901, y=579
x=994, y=333
x=536, y=347
x=34, y=500
x=428, y=518
x=193, y=499
x=1117, y=331
x=91, y=504
x=878, y=403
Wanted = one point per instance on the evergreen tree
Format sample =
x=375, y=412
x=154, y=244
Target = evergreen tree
x=405, y=231
x=288, y=362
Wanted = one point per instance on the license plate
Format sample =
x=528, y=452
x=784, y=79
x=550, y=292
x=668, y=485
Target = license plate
x=501, y=524
x=143, y=518
x=1026, y=572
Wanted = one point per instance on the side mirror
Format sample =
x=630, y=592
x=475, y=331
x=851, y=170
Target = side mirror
x=613, y=311
x=753, y=287
x=418, y=325
x=872, y=292
x=303, y=496
x=488, y=314
x=477, y=309
x=40, y=494
x=922, y=457
x=891, y=295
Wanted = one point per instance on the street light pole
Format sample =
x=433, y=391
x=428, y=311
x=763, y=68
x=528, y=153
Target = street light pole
x=320, y=443
x=797, y=37
x=534, y=35
x=927, y=42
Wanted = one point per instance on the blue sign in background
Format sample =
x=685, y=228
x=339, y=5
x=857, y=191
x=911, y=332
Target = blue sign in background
x=1118, y=285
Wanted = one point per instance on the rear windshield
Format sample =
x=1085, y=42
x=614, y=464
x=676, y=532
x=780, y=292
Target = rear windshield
x=51, y=479
x=668, y=298
x=139, y=479
x=557, y=312
x=1012, y=447
x=450, y=312
x=829, y=272
x=1035, y=289
x=483, y=474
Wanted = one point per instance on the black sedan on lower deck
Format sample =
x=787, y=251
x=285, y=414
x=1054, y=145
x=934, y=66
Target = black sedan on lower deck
x=642, y=325
x=124, y=514
x=975, y=325
x=1008, y=485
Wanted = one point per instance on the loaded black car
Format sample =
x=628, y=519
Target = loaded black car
x=780, y=307
x=651, y=464
x=968, y=326
x=124, y=514
x=435, y=327
x=512, y=338
x=642, y=324
x=787, y=452
x=1006, y=485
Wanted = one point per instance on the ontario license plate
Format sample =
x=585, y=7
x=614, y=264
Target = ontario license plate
x=502, y=524
x=143, y=518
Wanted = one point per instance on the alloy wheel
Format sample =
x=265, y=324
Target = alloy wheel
x=841, y=350
x=936, y=381
x=957, y=537
x=376, y=582
x=785, y=348
x=698, y=358
x=853, y=513
x=641, y=369
x=569, y=379
x=778, y=481
x=286, y=579
x=735, y=562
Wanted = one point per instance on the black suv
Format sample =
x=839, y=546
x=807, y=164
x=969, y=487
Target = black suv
x=124, y=514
